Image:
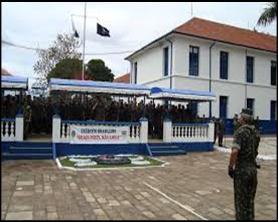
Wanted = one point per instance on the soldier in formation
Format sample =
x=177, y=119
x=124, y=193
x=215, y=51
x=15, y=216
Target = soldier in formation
x=27, y=113
x=221, y=131
x=235, y=122
x=243, y=166
x=40, y=110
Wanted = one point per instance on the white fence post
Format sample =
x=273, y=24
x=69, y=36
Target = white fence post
x=144, y=130
x=211, y=131
x=19, y=127
x=167, y=130
x=56, y=128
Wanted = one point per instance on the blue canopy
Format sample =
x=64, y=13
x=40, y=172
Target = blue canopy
x=89, y=86
x=14, y=82
x=181, y=95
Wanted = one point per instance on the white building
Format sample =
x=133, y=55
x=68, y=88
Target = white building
x=238, y=65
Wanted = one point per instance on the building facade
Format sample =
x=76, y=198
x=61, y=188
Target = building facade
x=239, y=66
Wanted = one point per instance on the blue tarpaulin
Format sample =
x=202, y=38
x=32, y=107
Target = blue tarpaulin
x=72, y=85
x=181, y=95
x=89, y=86
x=14, y=82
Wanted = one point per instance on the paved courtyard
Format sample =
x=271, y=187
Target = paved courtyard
x=193, y=186
x=267, y=148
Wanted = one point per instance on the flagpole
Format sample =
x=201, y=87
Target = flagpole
x=84, y=39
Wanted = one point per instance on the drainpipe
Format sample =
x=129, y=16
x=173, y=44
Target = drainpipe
x=245, y=102
x=171, y=67
x=131, y=72
x=210, y=75
x=171, y=62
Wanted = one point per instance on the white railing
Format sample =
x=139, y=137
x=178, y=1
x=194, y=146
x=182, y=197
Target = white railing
x=138, y=131
x=7, y=129
x=12, y=129
x=190, y=132
x=183, y=132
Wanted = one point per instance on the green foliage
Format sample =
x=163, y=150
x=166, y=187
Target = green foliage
x=66, y=69
x=64, y=47
x=96, y=70
x=269, y=14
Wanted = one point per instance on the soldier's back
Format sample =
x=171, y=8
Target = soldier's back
x=248, y=138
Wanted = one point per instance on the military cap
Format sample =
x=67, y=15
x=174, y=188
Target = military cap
x=247, y=112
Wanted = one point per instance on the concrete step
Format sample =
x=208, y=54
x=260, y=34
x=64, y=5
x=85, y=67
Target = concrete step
x=17, y=156
x=163, y=147
x=32, y=144
x=38, y=150
x=168, y=152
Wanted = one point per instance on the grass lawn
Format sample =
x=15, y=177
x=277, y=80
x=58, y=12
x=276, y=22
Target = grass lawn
x=153, y=162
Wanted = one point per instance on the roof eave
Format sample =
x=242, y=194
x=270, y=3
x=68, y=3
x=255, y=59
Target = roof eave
x=148, y=45
x=216, y=40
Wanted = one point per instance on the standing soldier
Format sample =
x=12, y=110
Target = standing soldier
x=214, y=120
x=243, y=167
x=235, y=122
x=3, y=106
x=27, y=118
x=256, y=123
x=221, y=131
x=99, y=109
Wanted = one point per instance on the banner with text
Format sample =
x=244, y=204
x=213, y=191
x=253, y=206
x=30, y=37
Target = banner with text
x=99, y=134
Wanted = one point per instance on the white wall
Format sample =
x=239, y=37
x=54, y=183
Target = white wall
x=182, y=82
x=150, y=64
x=181, y=56
x=262, y=96
x=235, y=87
x=237, y=60
x=150, y=72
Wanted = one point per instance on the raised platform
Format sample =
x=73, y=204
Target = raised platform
x=26, y=150
x=39, y=138
x=49, y=150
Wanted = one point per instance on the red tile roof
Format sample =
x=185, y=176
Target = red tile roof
x=124, y=78
x=220, y=32
x=215, y=31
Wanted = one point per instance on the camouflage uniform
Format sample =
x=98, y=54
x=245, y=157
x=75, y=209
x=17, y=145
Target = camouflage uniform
x=246, y=139
x=256, y=123
x=27, y=119
x=221, y=131
x=236, y=123
x=99, y=111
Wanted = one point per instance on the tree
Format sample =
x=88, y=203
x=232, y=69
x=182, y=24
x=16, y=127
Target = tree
x=269, y=14
x=64, y=47
x=96, y=70
x=66, y=69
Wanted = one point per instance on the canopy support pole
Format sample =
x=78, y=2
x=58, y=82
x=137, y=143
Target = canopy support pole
x=144, y=112
x=118, y=111
x=20, y=111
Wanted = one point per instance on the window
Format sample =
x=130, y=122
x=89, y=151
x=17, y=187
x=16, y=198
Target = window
x=273, y=110
x=166, y=61
x=224, y=65
x=249, y=68
x=250, y=104
x=273, y=73
x=135, y=72
x=223, y=107
x=194, y=61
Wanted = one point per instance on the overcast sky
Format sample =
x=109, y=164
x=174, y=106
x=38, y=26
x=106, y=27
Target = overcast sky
x=131, y=25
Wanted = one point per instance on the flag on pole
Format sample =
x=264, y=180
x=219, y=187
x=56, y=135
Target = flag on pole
x=102, y=30
x=76, y=35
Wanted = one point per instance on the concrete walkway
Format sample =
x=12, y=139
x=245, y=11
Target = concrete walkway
x=267, y=147
x=193, y=186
